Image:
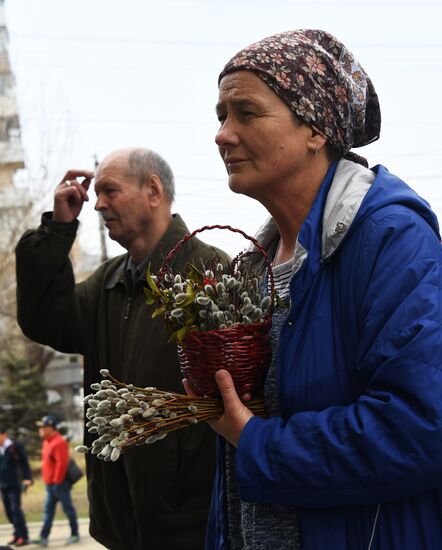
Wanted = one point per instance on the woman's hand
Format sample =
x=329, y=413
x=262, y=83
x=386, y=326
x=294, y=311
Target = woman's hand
x=236, y=415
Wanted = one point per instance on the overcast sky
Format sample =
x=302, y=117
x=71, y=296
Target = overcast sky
x=96, y=75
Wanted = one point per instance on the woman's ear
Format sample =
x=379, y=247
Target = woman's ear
x=155, y=190
x=316, y=141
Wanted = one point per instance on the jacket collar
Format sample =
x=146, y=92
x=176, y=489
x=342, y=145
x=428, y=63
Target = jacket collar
x=351, y=183
x=175, y=232
x=52, y=436
x=332, y=213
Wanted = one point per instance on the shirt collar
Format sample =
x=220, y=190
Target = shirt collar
x=175, y=232
x=136, y=272
x=7, y=443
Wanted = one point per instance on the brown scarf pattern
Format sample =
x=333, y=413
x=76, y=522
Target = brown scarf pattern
x=321, y=82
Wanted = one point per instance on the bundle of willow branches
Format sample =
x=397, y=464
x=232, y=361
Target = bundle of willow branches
x=123, y=415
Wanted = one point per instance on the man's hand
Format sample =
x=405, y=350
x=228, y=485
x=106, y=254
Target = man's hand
x=236, y=414
x=24, y=485
x=70, y=195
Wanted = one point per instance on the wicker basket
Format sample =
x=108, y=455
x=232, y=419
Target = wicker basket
x=243, y=350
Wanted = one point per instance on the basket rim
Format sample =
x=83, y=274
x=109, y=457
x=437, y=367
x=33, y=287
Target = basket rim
x=166, y=268
x=213, y=332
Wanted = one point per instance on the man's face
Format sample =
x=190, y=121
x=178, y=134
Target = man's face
x=3, y=437
x=122, y=201
x=45, y=431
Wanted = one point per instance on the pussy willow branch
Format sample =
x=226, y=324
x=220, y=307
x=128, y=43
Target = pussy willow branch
x=124, y=415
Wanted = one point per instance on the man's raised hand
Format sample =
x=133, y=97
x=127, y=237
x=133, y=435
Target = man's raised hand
x=70, y=195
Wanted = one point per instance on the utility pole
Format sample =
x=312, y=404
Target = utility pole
x=104, y=256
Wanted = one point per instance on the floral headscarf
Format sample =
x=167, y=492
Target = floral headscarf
x=321, y=82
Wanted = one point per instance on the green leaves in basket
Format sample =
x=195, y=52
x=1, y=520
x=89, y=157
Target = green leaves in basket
x=177, y=307
x=159, y=311
x=180, y=333
x=154, y=290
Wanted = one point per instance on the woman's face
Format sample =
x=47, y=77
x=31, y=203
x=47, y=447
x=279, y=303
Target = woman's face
x=261, y=143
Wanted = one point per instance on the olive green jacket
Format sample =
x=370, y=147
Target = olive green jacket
x=156, y=496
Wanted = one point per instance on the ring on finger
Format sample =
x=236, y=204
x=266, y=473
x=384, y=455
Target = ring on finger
x=68, y=183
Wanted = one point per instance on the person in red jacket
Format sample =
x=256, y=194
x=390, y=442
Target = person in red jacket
x=55, y=458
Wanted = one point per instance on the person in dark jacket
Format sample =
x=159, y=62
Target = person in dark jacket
x=154, y=496
x=15, y=475
x=350, y=456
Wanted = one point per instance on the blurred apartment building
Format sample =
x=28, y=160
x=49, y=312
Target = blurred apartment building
x=63, y=373
x=13, y=202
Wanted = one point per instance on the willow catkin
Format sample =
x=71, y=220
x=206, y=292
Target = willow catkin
x=123, y=415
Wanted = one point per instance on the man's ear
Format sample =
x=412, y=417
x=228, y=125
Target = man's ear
x=155, y=190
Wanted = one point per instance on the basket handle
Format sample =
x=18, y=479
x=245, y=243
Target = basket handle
x=188, y=236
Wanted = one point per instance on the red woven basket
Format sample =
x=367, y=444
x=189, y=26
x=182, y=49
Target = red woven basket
x=243, y=350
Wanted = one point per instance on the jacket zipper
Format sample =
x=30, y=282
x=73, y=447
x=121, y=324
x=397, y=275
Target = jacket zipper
x=126, y=325
x=375, y=522
x=127, y=308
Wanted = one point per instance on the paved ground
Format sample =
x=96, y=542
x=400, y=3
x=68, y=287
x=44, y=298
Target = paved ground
x=60, y=532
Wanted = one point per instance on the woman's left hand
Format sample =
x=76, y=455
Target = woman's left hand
x=236, y=414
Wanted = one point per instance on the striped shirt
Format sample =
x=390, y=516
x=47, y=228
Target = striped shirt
x=259, y=525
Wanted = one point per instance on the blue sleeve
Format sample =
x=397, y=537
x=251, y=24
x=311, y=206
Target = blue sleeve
x=387, y=444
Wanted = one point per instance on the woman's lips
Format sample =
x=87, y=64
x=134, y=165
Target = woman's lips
x=232, y=163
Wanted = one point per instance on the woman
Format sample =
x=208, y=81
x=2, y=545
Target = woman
x=351, y=456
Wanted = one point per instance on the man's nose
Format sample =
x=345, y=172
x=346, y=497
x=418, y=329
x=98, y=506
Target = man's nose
x=99, y=203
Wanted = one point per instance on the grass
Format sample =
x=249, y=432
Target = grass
x=33, y=499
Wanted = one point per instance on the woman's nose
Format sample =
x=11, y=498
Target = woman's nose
x=227, y=135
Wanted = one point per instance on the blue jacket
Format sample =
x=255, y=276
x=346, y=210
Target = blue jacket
x=358, y=448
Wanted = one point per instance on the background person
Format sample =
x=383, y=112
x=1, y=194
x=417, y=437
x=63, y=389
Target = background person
x=154, y=496
x=15, y=474
x=351, y=455
x=54, y=463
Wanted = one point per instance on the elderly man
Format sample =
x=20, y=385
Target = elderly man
x=154, y=496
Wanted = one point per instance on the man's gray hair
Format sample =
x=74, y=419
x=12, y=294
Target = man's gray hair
x=144, y=162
